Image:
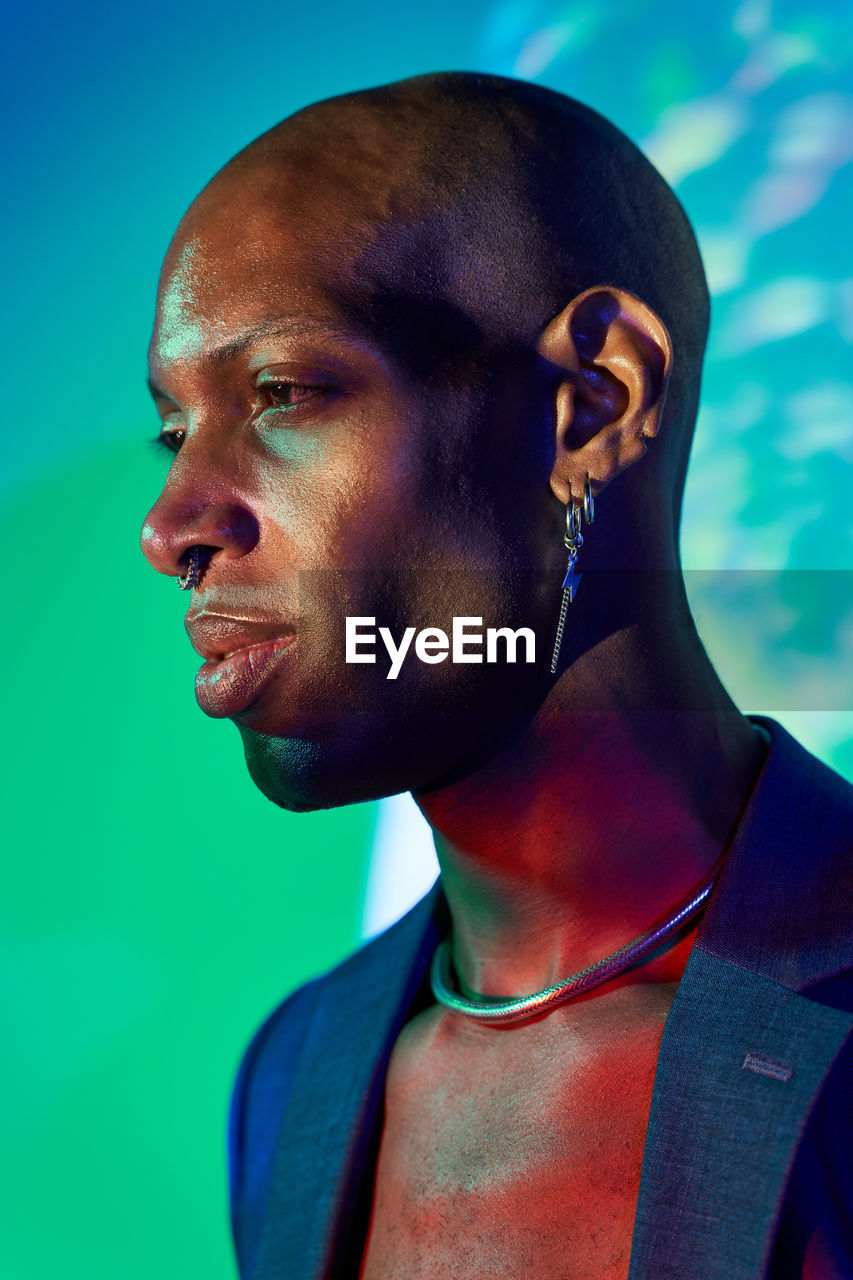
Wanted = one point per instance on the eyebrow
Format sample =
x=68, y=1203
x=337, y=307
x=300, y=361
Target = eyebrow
x=271, y=327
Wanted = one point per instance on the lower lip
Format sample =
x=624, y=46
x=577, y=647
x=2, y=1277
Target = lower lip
x=230, y=685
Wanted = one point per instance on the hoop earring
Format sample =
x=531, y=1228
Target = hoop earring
x=573, y=541
x=588, y=502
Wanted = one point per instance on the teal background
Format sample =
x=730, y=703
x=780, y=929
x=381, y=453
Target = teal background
x=153, y=905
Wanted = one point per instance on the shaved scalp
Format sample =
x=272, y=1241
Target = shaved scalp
x=472, y=209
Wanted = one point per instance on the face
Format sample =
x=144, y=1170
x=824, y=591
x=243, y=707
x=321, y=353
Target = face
x=325, y=481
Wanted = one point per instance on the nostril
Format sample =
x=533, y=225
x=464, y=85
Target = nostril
x=175, y=529
x=195, y=561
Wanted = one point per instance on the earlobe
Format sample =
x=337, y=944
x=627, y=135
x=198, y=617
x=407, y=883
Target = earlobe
x=612, y=355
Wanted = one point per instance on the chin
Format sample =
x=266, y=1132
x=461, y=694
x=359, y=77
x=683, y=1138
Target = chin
x=361, y=751
x=281, y=768
x=299, y=775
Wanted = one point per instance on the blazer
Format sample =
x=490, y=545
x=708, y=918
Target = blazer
x=747, y=1161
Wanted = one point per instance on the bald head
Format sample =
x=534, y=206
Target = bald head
x=463, y=211
x=476, y=206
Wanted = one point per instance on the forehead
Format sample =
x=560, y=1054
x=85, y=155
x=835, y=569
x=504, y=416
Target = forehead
x=330, y=220
x=231, y=274
x=236, y=261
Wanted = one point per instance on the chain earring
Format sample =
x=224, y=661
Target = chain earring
x=573, y=541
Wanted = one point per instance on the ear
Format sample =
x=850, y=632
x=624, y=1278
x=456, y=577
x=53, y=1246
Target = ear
x=614, y=357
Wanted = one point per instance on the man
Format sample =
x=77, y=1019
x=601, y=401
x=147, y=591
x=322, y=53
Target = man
x=404, y=342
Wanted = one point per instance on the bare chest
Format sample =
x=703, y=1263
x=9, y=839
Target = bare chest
x=507, y=1155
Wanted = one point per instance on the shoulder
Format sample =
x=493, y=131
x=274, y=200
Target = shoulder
x=816, y=1218
x=258, y=1102
x=785, y=901
x=293, y=1035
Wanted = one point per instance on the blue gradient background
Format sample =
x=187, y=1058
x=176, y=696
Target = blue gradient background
x=153, y=906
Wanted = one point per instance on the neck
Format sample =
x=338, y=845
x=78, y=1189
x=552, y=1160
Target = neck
x=594, y=819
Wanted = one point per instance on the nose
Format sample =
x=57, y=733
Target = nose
x=220, y=522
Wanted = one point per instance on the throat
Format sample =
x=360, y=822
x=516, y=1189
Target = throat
x=651, y=945
x=573, y=863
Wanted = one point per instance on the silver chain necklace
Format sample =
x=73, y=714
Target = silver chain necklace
x=503, y=1012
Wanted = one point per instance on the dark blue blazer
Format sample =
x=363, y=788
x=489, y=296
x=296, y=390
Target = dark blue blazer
x=747, y=1163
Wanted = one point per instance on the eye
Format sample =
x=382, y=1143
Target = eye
x=287, y=395
x=170, y=439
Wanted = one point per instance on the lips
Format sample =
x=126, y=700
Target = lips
x=242, y=656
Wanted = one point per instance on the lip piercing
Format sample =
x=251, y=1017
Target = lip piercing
x=194, y=571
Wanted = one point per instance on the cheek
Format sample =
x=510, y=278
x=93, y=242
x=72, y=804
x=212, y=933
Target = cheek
x=285, y=452
x=343, y=498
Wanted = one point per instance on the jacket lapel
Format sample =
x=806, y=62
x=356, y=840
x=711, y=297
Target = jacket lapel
x=741, y=1062
x=744, y=1053
x=336, y=1098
